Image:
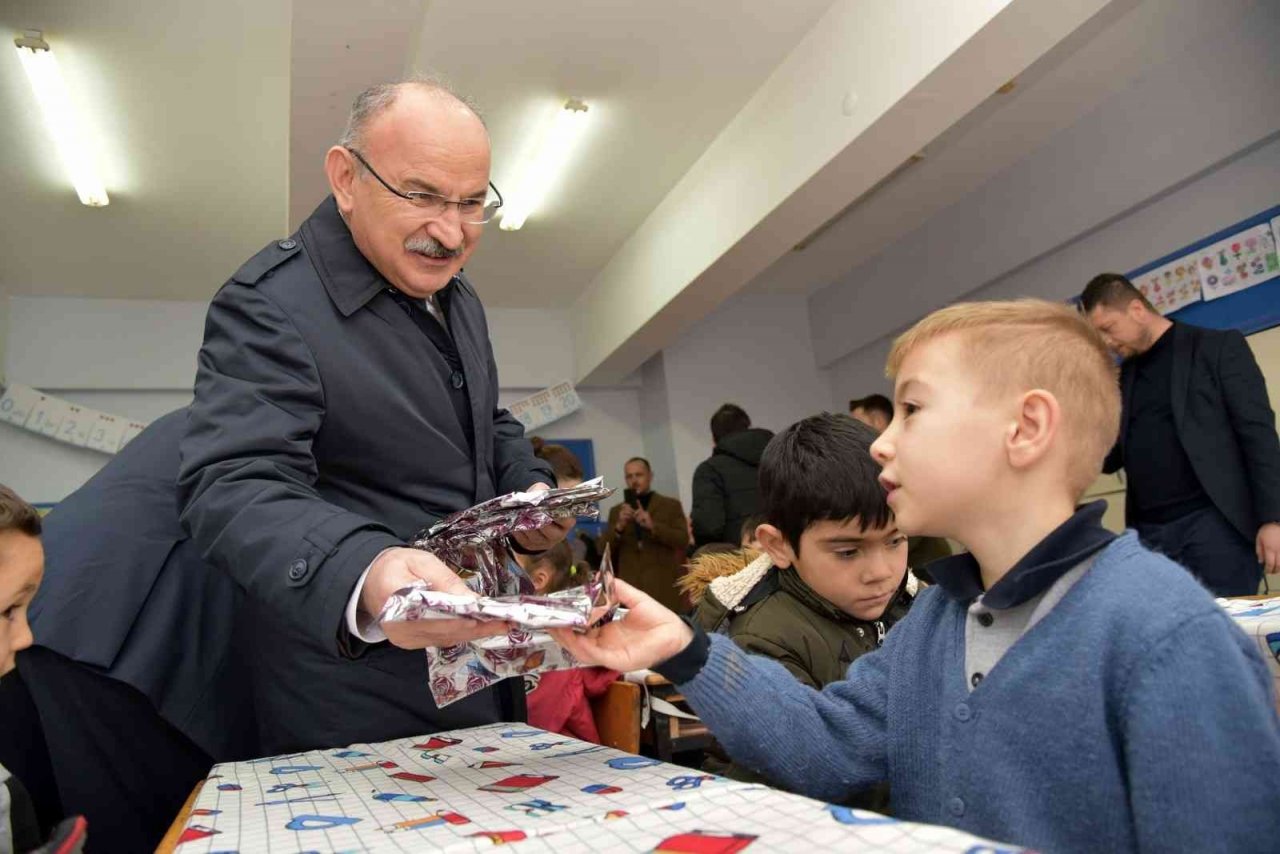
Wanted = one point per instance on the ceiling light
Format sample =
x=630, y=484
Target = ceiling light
x=559, y=139
x=68, y=133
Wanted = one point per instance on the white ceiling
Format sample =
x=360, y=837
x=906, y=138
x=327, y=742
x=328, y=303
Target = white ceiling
x=214, y=118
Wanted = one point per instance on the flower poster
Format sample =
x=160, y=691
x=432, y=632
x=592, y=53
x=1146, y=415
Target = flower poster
x=1173, y=286
x=1239, y=262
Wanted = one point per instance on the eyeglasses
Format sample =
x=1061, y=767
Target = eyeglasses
x=470, y=211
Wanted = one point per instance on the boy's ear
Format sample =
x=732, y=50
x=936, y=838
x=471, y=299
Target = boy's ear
x=1039, y=418
x=772, y=541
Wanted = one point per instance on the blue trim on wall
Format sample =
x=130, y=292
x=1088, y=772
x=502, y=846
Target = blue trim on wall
x=1251, y=310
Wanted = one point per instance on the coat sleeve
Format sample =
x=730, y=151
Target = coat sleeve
x=708, y=504
x=757, y=645
x=513, y=461
x=1244, y=392
x=670, y=526
x=247, y=480
x=1221, y=794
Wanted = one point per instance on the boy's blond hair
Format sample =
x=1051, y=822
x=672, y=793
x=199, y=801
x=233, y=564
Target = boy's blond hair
x=1019, y=345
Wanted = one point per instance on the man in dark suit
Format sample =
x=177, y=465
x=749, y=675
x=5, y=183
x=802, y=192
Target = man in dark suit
x=135, y=684
x=1197, y=440
x=347, y=396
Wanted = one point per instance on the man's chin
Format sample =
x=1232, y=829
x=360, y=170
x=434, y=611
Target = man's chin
x=423, y=284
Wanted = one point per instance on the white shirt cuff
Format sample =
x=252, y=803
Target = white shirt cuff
x=371, y=632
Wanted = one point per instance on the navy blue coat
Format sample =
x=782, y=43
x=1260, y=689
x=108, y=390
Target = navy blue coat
x=126, y=592
x=323, y=432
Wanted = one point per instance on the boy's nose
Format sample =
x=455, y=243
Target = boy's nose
x=22, y=638
x=882, y=448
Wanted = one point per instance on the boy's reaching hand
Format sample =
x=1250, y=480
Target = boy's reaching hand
x=649, y=634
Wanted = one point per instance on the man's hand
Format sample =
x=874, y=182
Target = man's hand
x=548, y=535
x=644, y=520
x=397, y=568
x=625, y=517
x=1268, y=546
x=649, y=634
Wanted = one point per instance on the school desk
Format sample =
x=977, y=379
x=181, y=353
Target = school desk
x=510, y=784
x=1259, y=618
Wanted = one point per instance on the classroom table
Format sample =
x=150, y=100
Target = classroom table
x=511, y=784
x=1259, y=618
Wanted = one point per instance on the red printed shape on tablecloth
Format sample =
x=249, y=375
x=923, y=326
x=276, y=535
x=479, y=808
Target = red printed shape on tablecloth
x=196, y=831
x=494, y=763
x=412, y=777
x=433, y=820
x=601, y=789
x=438, y=742
x=519, y=783
x=499, y=837
x=701, y=842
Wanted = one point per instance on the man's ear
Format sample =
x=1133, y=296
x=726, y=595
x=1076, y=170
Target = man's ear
x=340, y=169
x=1038, y=420
x=773, y=542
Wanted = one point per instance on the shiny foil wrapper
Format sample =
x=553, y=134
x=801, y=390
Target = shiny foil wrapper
x=474, y=543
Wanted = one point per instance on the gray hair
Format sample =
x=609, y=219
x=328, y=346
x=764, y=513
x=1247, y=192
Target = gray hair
x=375, y=100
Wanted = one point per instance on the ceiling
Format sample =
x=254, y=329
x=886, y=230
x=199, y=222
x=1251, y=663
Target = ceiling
x=214, y=120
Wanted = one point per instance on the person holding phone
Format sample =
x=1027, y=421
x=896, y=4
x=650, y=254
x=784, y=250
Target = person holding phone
x=647, y=534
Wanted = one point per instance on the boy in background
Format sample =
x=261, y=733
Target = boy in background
x=1059, y=687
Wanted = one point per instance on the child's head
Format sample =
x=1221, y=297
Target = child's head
x=1000, y=407
x=564, y=462
x=747, y=539
x=21, y=567
x=554, y=570
x=826, y=516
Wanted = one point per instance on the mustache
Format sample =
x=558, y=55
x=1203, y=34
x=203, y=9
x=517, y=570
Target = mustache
x=432, y=248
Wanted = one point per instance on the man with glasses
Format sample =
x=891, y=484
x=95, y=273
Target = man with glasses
x=346, y=397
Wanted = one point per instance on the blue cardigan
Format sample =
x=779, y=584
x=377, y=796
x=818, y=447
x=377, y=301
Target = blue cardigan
x=1134, y=717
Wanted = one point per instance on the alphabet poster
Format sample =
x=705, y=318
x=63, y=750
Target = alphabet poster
x=1241, y=261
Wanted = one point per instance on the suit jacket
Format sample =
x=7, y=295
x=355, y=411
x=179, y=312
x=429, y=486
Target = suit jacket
x=654, y=564
x=322, y=433
x=126, y=593
x=1224, y=422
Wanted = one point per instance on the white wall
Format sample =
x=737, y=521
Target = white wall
x=1188, y=148
x=1184, y=149
x=754, y=351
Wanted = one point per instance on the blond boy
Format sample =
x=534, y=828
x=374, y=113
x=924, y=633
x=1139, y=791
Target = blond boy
x=1059, y=687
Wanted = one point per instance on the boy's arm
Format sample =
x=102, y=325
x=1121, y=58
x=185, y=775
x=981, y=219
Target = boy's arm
x=757, y=645
x=1202, y=742
x=823, y=744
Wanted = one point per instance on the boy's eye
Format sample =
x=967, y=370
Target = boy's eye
x=909, y=409
x=847, y=554
x=897, y=541
x=8, y=613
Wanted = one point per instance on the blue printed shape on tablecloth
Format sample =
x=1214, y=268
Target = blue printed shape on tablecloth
x=1273, y=643
x=845, y=815
x=400, y=797
x=295, y=769
x=309, y=799
x=320, y=822
x=601, y=789
x=631, y=763
x=350, y=754
x=229, y=787
x=537, y=808
x=689, y=781
x=523, y=733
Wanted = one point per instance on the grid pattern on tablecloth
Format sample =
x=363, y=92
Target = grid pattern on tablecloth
x=1260, y=620
x=426, y=793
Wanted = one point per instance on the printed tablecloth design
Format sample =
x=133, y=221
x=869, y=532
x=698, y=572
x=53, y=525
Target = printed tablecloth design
x=1260, y=620
x=506, y=784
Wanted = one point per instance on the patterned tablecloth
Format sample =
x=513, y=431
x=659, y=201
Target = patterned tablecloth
x=1260, y=620
x=508, y=784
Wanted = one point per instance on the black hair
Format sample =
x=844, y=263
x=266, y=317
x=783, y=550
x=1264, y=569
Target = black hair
x=821, y=469
x=647, y=467
x=729, y=419
x=1112, y=290
x=17, y=515
x=873, y=403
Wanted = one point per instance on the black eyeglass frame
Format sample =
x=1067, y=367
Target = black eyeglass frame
x=415, y=196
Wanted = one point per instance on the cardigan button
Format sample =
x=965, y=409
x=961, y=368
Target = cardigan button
x=956, y=807
x=963, y=712
x=985, y=619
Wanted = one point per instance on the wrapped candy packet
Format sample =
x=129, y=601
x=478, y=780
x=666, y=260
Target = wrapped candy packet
x=474, y=542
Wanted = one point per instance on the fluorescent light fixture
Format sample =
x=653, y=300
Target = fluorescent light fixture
x=559, y=139
x=68, y=133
